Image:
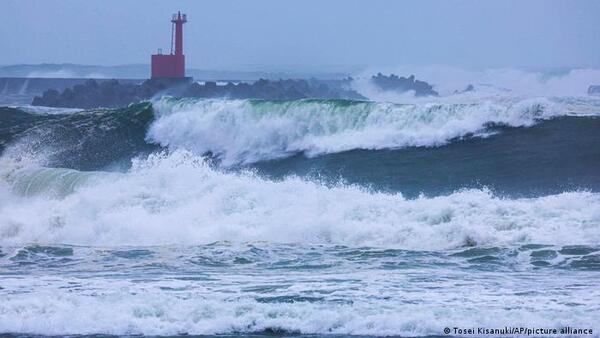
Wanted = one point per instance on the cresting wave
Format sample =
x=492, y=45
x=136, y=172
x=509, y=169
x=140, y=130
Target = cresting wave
x=241, y=131
x=177, y=244
x=84, y=140
x=179, y=199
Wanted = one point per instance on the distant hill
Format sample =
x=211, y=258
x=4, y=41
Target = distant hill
x=142, y=71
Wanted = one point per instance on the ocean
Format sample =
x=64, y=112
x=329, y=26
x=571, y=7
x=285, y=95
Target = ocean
x=312, y=218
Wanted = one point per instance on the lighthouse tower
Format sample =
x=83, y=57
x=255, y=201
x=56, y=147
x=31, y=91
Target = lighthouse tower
x=171, y=65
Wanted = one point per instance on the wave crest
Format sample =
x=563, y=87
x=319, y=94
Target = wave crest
x=241, y=131
x=180, y=199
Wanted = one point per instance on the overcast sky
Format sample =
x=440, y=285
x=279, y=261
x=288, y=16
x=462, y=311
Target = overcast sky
x=308, y=34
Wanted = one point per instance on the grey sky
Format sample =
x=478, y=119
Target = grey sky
x=275, y=34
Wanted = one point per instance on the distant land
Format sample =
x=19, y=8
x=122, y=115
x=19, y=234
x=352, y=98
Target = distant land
x=142, y=71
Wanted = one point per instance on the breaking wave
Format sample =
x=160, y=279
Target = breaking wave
x=176, y=243
x=242, y=131
x=180, y=199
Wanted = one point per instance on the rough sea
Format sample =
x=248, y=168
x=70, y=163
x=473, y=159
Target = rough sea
x=308, y=218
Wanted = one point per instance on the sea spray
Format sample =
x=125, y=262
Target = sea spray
x=178, y=243
x=240, y=131
x=179, y=199
x=487, y=83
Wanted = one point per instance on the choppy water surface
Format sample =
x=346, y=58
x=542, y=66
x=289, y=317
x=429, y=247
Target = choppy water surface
x=300, y=218
x=323, y=289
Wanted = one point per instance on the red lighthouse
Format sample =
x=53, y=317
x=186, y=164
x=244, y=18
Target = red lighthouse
x=173, y=64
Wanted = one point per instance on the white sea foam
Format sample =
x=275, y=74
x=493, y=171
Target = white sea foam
x=167, y=314
x=420, y=301
x=179, y=199
x=488, y=83
x=240, y=131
